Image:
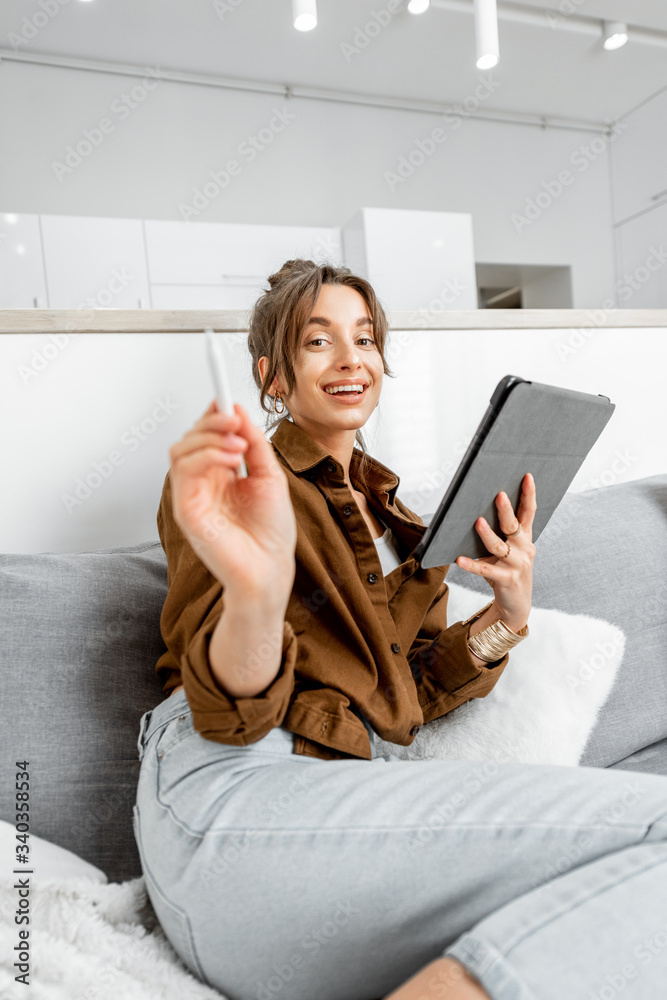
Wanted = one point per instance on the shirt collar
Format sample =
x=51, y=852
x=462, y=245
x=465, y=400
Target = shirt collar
x=301, y=453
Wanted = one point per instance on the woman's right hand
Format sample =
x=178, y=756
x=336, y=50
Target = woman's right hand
x=242, y=528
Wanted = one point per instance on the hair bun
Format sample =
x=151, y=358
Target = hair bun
x=291, y=268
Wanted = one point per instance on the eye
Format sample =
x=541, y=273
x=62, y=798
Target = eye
x=315, y=339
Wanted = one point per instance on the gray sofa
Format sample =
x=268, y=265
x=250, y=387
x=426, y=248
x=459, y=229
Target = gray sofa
x=80, y=636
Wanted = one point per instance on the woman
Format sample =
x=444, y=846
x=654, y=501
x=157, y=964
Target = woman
x=275, y=874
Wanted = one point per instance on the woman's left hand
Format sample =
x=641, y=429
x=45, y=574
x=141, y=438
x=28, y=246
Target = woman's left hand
x=510, y=574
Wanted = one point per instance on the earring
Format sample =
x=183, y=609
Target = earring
x=278, y=397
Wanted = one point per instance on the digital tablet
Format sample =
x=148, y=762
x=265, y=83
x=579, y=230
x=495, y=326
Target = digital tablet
x=528, y=427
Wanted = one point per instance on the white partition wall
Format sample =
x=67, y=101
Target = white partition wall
x=429, y=413
x=93, y=415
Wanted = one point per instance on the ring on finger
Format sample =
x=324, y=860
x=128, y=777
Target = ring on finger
x=505, y=554
x=510, y=534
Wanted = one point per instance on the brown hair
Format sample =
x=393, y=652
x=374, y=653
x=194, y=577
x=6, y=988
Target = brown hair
x=279, y=317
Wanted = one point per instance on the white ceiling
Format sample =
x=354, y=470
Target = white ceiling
x=543, y=70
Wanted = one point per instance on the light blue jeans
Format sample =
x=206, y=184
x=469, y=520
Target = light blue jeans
x=276, y=875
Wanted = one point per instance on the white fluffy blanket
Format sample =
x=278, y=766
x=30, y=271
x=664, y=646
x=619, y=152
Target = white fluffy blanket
x=92, y=941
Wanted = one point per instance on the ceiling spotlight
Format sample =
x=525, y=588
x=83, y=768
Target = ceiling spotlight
x=486, y=34
x=418, y=6
x=304, y=14
x=615, y=34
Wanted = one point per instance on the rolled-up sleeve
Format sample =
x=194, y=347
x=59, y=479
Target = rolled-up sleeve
x=441, y=664
x=192, y=608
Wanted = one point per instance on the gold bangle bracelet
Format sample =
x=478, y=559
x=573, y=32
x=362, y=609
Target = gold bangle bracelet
x=496, y=640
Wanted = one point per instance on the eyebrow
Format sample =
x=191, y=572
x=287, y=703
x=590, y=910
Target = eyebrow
x=323, y=321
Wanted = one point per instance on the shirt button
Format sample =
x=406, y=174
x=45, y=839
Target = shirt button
x=396, y=647
x=414, y=730
x=331, y=466
x=347, y=510
x=372, y=578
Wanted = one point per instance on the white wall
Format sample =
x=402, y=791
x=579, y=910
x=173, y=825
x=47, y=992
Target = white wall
x=111, y=405
x=640, y=205
x=326, y=162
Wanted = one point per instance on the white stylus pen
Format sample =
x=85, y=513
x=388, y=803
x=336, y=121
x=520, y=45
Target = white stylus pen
x=223, y=393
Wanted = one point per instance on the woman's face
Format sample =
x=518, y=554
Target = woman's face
x=337, y=347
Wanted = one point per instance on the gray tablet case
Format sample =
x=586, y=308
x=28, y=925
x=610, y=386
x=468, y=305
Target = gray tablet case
x=528, y=427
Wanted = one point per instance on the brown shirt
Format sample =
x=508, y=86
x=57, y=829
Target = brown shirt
x=353, y=640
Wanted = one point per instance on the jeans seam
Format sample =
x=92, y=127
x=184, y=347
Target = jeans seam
x=352, y=829
x=178, y=910
x=571, y=908
x=466, y=951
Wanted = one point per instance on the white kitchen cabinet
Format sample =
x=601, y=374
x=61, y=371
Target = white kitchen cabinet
x=414, y=259
x=215, y=254
x=94, y=262
x=22, y=283
x=233, y=296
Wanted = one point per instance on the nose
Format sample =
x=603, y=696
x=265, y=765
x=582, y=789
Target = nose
x=349, y=356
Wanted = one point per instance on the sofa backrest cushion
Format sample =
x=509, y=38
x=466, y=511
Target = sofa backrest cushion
x=80, y=636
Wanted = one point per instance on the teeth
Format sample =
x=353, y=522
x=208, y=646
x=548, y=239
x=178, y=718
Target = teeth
x=347, y=388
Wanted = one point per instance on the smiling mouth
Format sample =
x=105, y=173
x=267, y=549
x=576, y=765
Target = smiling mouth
x=347, y=395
